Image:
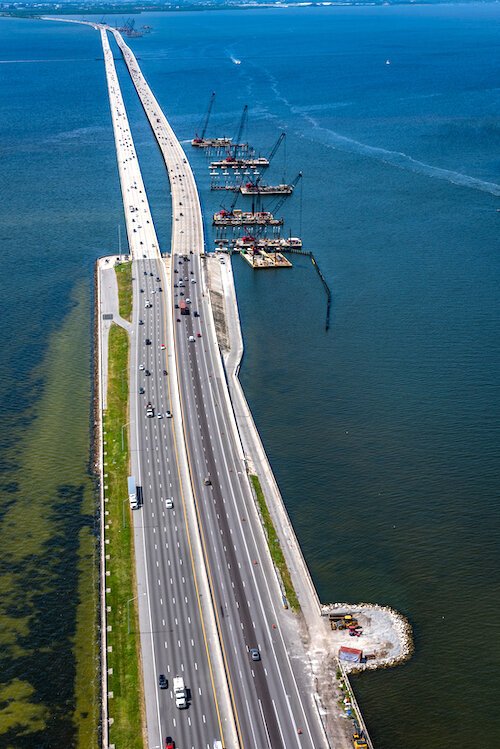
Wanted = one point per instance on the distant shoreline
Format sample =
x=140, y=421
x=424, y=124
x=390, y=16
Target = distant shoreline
x=84, y=9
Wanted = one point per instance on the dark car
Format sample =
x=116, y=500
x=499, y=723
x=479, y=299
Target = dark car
x=176, y=286
x=160, y=288
x=157, y=278
x=147, y=372
x=150, y=274
x=142, y=291
x=176, y=306
x=141, y=391
x=148, y=342
x=162, y=681
x=141, y=322
x=254, y=654
x=165, y=372
x=196, y=313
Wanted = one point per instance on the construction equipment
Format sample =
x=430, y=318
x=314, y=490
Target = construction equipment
x=359, y=741
x=274, y=209
x=207, y=117
x=200, y=141
x=243, y=120
x=271, y=156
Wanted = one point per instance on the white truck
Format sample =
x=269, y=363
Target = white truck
x=132, y=493
x=180, y=692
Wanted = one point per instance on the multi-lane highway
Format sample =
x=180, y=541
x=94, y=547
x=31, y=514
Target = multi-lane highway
x=173, y=632
x=272, y=706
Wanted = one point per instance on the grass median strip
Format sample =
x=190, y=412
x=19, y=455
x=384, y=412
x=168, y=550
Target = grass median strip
x=275, y=546
x=126, y=730
x=124, y=279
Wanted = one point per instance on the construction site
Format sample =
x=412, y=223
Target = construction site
x=239, y=170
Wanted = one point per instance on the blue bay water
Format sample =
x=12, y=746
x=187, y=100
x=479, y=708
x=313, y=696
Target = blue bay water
x=383, y=432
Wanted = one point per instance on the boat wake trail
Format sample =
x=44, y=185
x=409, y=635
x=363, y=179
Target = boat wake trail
x=399, y=159
x=335, y=140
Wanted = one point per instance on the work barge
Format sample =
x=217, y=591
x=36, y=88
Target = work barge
x=239, y=219
x=255, y=247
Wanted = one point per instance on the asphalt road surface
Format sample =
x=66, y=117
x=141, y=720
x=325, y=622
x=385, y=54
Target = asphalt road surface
x=271, y=708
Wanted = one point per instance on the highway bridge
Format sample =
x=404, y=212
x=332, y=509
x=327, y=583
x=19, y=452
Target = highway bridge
x=211, y=540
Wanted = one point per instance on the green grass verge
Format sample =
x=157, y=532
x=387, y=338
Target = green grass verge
x=124, y=279
x=275, y=546
x=125, y=707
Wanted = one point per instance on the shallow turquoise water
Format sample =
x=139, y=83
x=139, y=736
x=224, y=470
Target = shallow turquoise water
x=384, y=432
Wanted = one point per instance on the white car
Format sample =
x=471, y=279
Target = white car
x=168, y=415
x=163, y=347
x=193, y=280
x=141, y=367
x=169, y=503
x=191, y=339
x=159, y=416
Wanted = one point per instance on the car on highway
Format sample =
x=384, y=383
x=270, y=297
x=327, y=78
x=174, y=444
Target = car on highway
x=169, y=503
x=159, y=416
x=198, y=335
x=165, y=372
x=147, y=373
x=254, y=654
x=141, y=367
x=169, y=743
x=191, y=339
x=207, y=481
x=148, y=341
x=147, y=304
x=193, y=280
x=163, y=347
x=141, y=322
x=162, y=681
x=141, y=391
x=168, y=414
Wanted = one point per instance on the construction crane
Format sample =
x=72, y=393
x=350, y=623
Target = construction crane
x=243, y=120
x=282, y=199
x=207, y=117
x=271, y=155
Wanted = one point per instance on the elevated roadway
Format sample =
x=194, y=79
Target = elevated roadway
x=175, y=636
x=272, y=705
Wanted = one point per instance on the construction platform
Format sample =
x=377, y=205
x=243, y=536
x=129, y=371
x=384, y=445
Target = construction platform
x=262, y=259
x=245, y=218
x=234, y=163
x=268, y=243
x=211, y=142
x=266, y=189
x=255, y=189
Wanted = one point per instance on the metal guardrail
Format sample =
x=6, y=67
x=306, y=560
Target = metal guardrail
x=352, y=697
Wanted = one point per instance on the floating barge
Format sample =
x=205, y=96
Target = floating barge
x=268, y=243
x=261, y=259
x=230, y=162
x=251, y=189
x=257, y=189
x=245, y=218
x=211, y=142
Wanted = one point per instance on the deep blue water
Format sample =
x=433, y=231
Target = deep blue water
x=383, y=432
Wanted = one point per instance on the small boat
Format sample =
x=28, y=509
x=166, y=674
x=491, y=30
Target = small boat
x=387, y=62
